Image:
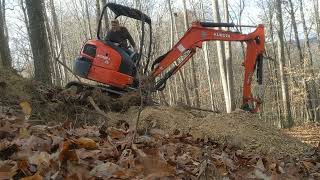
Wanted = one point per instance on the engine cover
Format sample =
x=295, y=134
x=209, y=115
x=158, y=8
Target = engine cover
x=102, y=62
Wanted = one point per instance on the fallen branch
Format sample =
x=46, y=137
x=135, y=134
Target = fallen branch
x=64, y=65
x=135, y=129
x=98, y=109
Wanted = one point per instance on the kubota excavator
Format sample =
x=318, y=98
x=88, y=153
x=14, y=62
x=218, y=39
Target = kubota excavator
x=101, y=61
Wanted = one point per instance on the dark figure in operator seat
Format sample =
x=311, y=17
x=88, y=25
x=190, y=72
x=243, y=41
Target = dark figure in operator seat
x=119, y=36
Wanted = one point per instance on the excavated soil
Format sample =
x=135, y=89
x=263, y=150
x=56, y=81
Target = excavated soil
x=55, y=105
x=239, y=129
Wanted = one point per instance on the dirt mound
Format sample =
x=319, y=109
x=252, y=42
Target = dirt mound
x=54, y=104
x=239, y=129
x=14, y=87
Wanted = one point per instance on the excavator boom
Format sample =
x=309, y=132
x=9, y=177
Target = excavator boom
x=204, y=31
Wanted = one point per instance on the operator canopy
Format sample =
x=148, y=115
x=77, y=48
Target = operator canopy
x=121, y=10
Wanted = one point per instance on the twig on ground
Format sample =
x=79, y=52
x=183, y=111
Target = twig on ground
x=135, y=129
x=99, y=110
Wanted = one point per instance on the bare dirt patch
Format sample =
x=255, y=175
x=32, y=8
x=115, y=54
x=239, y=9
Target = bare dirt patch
x=239, y=129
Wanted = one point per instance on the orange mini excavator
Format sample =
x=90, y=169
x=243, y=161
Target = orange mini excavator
x=102, y=61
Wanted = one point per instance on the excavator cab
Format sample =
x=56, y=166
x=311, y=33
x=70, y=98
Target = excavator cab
x=104, y=62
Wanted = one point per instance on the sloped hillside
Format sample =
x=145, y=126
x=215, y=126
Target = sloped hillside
x=48, y=132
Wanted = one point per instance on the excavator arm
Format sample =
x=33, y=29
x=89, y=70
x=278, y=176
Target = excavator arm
x=203, y=31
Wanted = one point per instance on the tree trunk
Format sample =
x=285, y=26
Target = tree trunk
x=174, y=92
x=181, y=74
x=58, y=34
x=105, y=17
x=228, y=52
x=301, y=61
x=317, y=18
x=4, y=44
x=295, y=30
x=284, y=83
x=88, y=18
x=26, y=21
x=193, y=68
x=308, y=68
x=221, y=57
x=38, y=41
x=54, y=66
x=206, y=59
x=171, y=25
x=275, y=76
x=98, y=12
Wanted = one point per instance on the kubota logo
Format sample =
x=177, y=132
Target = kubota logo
x=222, y=35
x=106, y=59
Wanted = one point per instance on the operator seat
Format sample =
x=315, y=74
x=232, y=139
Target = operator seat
x=127, y=65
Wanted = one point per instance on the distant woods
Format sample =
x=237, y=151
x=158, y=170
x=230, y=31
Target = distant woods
x=41, y=38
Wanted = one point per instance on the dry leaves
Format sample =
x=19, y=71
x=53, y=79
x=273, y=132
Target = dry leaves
x=41, y=152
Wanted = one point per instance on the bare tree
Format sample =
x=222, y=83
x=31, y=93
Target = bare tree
x=86, y=7
x=25, y=16
x=58, y=35
x=229, y=69
x=98, y=11
x=54, y=66
x=4, y=44
x=297, y=40
x=105, y=16
x=193, y=69
x=221, y=57
x=308, y=67
x=38, y=40
x=208, y=69
x=175, y=91
x=181, y=74
x=317, y=19
x=281, y=59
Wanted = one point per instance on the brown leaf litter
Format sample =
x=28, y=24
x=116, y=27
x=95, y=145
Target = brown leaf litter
x=60, y=152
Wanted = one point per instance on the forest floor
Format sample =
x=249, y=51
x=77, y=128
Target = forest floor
x=54, y=133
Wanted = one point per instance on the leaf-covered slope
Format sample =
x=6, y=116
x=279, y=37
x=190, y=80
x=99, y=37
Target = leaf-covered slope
x=91, y=152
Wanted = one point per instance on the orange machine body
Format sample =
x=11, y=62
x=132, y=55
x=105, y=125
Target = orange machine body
x=105, y=64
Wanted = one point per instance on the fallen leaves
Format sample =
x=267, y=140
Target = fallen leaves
x=33, y=177
x=6, y=152
x=86, y=143
x=7, y=171
x=115, y=133
x=61, y=152
x=108, y=170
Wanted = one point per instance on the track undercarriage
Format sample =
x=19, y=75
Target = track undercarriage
x=109, y=90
